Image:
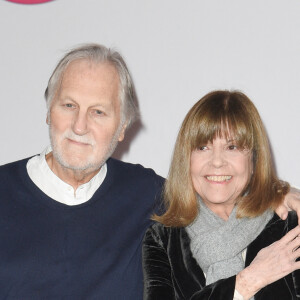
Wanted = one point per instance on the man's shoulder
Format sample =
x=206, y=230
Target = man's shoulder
x=132, y=170
x=10, y=167
x=12, y=173
x=138, y=186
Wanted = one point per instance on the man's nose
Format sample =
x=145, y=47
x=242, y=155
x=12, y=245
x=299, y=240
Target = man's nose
x=80, y=123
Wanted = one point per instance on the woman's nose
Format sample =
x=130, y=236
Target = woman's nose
x=218, y=158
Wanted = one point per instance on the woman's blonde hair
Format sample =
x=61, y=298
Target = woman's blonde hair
x=230, y=115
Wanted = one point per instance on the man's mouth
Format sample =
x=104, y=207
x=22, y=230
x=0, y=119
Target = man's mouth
x=218, y=178
x=79, y=142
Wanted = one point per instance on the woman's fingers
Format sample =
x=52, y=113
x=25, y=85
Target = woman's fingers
x=270, y=264
x=294, y=244
x=291, y=235
x=278, y=259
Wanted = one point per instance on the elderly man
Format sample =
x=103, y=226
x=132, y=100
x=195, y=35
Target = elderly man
x=72, y=219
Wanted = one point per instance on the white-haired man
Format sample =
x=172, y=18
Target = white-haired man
x=72, y=219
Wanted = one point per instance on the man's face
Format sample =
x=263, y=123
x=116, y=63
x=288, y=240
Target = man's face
x=85, y=116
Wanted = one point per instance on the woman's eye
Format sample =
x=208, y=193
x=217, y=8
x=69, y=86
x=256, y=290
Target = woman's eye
x=69, y=105
x=232, y=147
x=201, y=148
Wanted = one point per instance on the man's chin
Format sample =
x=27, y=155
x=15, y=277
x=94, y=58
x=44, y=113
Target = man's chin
x=78, y=164
x=82, y=167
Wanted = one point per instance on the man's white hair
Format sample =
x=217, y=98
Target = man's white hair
x=98, y=54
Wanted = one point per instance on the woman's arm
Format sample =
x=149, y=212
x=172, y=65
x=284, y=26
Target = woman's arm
x=271, y=263
x=158, y=283
x=221, y=289
x=156, y=268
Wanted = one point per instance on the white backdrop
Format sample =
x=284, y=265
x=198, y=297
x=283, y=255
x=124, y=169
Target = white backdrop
x=177, y=51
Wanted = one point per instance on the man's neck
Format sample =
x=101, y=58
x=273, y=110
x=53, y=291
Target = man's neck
x=75, y=178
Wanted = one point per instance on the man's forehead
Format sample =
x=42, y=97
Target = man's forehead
x=83, y=79
x=80, y=72
x=82, y=67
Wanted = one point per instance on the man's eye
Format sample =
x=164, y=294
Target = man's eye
x=98, y=112
x=69, y=105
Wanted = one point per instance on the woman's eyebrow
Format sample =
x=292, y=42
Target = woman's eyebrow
x=231, y=140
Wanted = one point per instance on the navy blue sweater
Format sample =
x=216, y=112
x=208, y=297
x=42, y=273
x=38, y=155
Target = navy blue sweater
x=49, y=250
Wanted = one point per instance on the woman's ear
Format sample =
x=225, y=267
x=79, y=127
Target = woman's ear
x=253, y=161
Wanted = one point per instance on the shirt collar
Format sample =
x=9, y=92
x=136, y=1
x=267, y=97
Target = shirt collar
x=43, y=177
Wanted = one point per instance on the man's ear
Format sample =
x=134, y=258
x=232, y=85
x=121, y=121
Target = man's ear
x=122, y=133
x=48, y=117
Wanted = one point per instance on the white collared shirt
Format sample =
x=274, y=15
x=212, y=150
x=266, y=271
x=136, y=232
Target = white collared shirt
x=41, y=174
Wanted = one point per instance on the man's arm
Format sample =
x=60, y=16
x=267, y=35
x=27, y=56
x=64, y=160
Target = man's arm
x=290, y=202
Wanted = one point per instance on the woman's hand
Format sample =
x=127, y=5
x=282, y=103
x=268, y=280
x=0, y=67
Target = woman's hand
x=270, y=264
x=291, y=202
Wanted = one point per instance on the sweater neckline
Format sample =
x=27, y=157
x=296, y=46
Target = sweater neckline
x=48, y=201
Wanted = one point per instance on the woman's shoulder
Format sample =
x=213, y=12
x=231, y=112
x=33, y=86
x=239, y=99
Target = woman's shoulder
x=161, y=229
x=289, y=223
x=164, y=234
x=292, y=220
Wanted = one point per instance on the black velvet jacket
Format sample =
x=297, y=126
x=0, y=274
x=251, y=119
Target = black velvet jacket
x=171, y=272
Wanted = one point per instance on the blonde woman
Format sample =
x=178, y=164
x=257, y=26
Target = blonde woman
x=219, y=237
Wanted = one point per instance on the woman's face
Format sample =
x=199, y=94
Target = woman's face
x=219, y=172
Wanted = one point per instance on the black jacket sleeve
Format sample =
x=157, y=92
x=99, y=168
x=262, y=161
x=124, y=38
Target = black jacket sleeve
x=170, y=273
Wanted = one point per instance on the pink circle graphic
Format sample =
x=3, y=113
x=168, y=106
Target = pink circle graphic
x=29, y=1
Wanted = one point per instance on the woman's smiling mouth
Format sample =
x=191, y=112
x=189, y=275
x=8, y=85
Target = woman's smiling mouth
x=218, y=178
